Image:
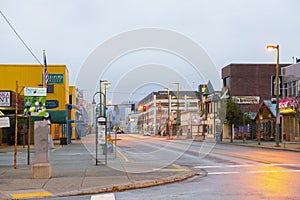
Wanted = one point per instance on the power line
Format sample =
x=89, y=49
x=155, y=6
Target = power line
x=10, y=25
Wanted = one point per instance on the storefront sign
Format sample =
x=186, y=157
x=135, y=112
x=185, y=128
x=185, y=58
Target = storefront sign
x=55, y=78
x=289, y=105
x=5, y=98
x=52, y=104
x=246, y=99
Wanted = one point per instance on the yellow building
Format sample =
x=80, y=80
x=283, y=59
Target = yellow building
x=14, y=77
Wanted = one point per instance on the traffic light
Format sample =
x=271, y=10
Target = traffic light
x=144, y=108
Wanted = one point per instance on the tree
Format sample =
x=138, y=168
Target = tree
x=231, y=114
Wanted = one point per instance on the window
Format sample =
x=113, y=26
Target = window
x=291, y=89
x=50, y=89
x=285, y=90
x=226, y=81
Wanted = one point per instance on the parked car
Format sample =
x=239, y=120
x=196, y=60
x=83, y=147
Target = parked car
x=120, y=132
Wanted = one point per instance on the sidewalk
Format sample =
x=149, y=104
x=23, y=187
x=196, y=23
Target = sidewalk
x=286, y=146
x=74, y=172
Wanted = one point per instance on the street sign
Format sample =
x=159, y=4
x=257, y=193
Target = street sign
x=101, y=120
x=273, y=86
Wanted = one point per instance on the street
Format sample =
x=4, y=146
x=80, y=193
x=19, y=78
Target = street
x=224, y=171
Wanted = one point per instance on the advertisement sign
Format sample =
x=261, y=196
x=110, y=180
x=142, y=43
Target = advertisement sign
x=4, y=122
x=5, y=98
x=35, y=101
x=101, y=134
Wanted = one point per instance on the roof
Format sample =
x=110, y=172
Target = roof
x=271, y=106
x=209, y=89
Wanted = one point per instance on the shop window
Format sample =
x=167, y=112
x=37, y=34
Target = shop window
x=50, y=89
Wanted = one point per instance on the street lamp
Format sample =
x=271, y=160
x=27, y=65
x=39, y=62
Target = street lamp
x=101, y=101
x=270, y=48
x=169, y=105
x=178, y=115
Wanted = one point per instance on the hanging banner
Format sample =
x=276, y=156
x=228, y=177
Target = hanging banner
x=35, y=101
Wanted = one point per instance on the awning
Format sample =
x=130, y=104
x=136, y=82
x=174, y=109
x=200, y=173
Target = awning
x=57, y=116
x=225, y=95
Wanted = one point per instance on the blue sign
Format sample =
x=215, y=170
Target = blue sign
x=52, y=104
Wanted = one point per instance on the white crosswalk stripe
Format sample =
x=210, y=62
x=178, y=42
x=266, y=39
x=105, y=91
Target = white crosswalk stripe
x=242, y=169
x=106, y=196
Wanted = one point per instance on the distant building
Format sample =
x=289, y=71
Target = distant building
x=159, y=112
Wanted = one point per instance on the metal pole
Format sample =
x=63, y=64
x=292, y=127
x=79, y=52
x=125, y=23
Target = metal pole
x=244, y=129
x=104, y=113
x=96, y=132
x=277, y=96
x=16, y=127
x=28, y=141
x=178, y=115
x=100, y=109
x=169, y=102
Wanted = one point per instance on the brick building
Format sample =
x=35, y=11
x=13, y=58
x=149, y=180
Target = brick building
x=248, y=85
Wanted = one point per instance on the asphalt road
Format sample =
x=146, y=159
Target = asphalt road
x=225, y=171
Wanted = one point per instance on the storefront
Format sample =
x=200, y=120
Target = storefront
x=289, y=110
x=265, y=121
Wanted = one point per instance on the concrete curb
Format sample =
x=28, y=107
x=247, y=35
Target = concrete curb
x=261, y=146
x=130, y=186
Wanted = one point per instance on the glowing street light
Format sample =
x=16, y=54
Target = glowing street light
x=271, y=48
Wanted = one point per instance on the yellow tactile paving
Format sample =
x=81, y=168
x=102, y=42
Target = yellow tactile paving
x=31, y=194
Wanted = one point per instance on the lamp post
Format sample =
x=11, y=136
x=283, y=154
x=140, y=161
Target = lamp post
x=270, y=48
x=178, y=115
x=101, y=101
x=169, y=104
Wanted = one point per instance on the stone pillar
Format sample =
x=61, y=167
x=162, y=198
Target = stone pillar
x=41, y=167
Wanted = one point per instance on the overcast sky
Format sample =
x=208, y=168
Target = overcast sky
x=230, y=31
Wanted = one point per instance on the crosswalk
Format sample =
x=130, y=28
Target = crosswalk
x=248, y=169
x=107, y=196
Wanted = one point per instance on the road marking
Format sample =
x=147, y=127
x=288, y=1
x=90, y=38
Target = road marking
x=108, y=196
x=243, y=157
x=170, y=169
x=122, y=156
x=31, y=194
x=254, y=172
x=249, y=165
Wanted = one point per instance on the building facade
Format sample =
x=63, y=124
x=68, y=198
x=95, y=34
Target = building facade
x=248, y=85
x=159, y=112
x=289, y=105
x=16, y=77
